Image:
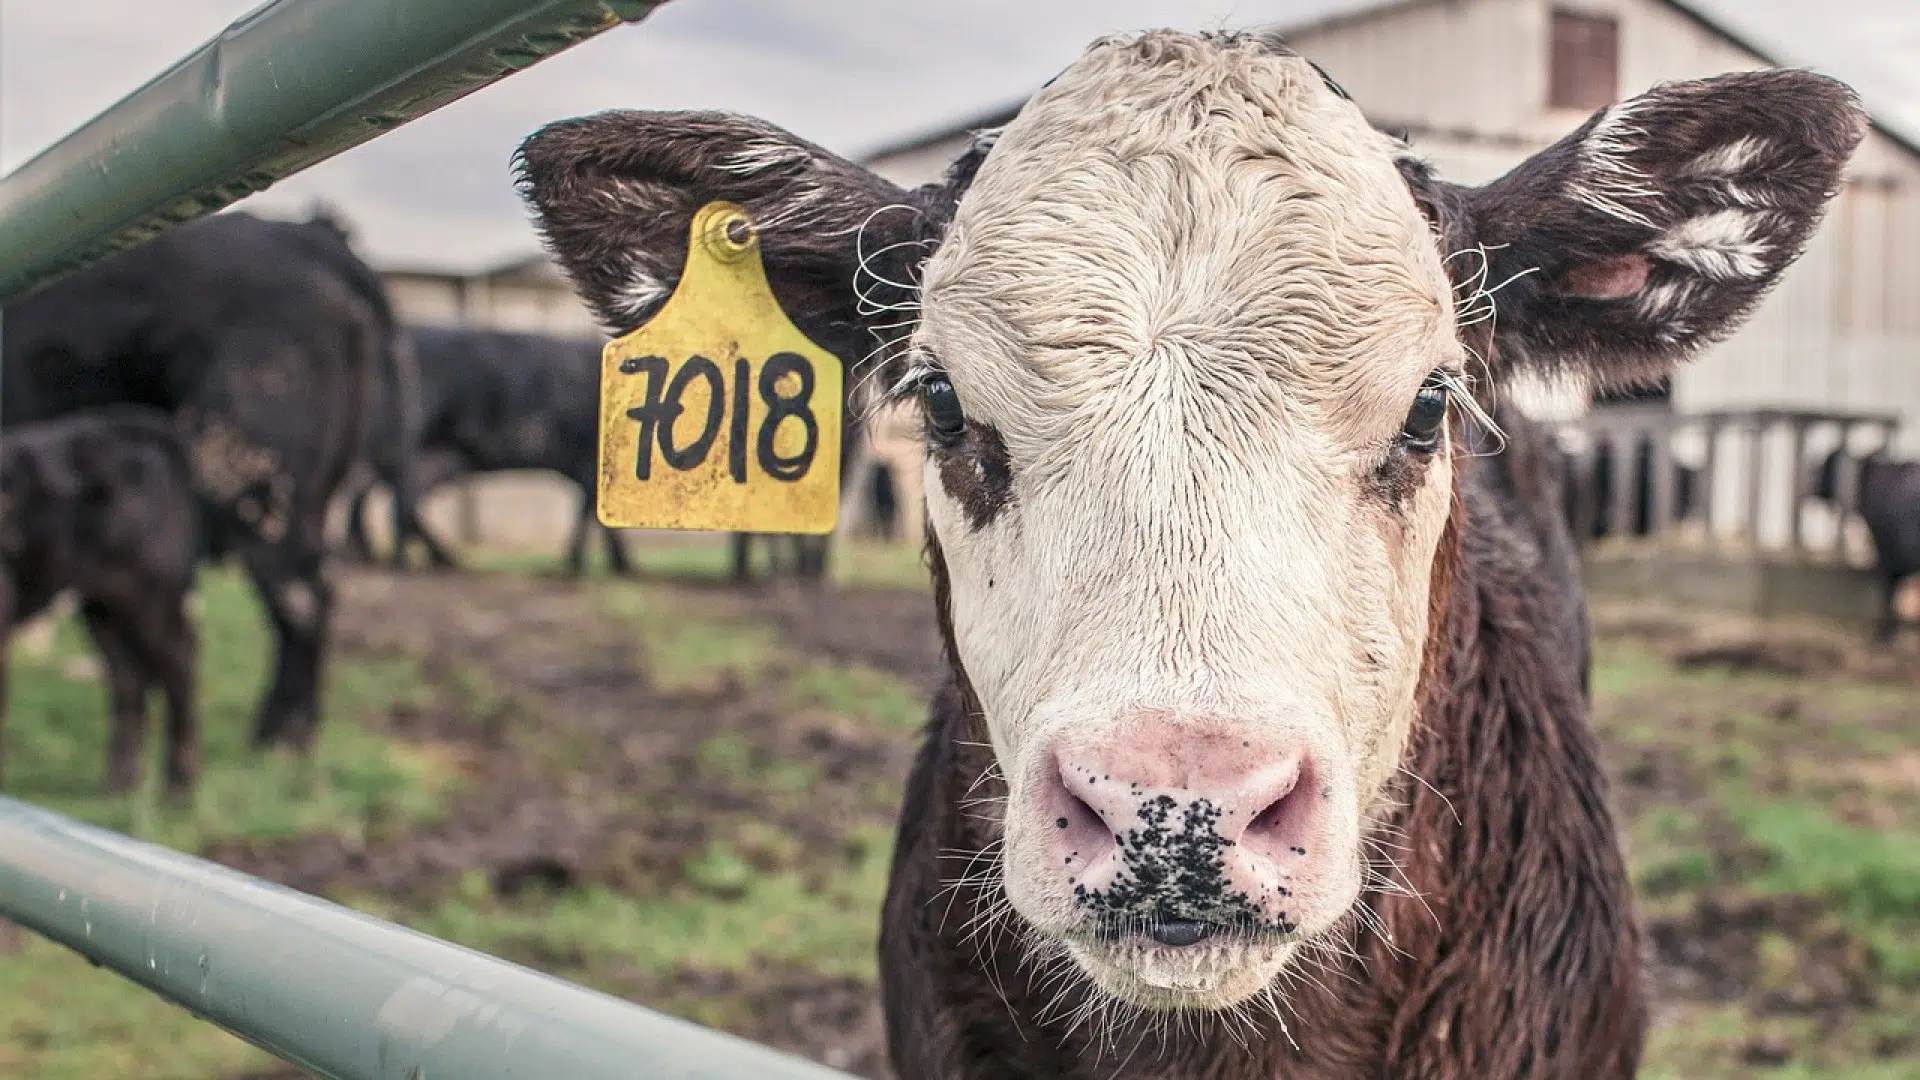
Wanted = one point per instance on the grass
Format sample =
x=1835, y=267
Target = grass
x=726, y=916
x=743, y=902
x=63, y=1020
x=56, y=740
x=1766, y=798
x=1729, y=796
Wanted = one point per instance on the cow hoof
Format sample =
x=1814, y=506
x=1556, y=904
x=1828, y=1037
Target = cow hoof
x=290, y=730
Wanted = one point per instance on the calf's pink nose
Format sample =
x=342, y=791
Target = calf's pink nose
x=1178, y=821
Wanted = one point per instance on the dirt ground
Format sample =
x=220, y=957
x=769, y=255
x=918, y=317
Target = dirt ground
x=585, y=768
x=623, y=802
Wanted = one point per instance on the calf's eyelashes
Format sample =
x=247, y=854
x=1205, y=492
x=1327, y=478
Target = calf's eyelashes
x=1427, y=418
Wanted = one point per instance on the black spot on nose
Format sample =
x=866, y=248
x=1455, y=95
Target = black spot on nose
x=1179, y=933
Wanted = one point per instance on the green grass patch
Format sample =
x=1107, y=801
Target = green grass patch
x=1759, y=787
x=61, y=1019
x=1870, y=875
x=873, y=697
x=725, y=916
x=357, y=777
x=686, y=649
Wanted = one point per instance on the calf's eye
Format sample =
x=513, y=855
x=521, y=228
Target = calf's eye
x=943, y=409
x=1427, y=418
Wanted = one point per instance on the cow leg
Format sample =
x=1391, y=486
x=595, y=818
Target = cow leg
x=583, y=522
x=407, y=525
x=127, y=694
x=171, y=645
x=616, y=545
x=1889, y=626
x=299, y=602
x=426, y=476
x=810, y=555
x=437, y=553
x=357, y=543
x=740, y=543
x=6, y=637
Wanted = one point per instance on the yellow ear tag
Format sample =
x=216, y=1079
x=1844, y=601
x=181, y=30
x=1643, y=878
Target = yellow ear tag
x=719, y=414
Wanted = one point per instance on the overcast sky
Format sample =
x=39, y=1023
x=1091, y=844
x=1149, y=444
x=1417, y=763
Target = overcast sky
x=850, y=74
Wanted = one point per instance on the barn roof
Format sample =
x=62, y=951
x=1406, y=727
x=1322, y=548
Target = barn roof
x=1301, y=16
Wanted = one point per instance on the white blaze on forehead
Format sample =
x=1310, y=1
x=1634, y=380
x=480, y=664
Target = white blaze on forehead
x=1219, y=198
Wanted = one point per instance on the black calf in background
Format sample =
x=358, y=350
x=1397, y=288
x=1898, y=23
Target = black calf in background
x=101, y=503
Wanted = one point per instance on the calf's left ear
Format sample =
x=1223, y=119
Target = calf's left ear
x=1654, y=228
x=614, y=195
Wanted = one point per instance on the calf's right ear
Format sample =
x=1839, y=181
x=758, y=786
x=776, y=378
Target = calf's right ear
x=615, y=193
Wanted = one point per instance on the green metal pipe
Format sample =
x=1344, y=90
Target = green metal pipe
x=340, y=994
x=286, y=86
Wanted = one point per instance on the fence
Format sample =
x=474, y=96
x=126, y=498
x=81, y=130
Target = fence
x=343, y=995
x=1747, y=462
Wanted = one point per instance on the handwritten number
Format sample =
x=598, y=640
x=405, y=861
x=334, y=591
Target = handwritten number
x=648, y=413
x=662, y=406
x=737, y=434
x=695, y=452
x=799, y=407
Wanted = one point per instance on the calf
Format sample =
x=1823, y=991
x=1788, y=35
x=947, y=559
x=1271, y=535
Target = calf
x=495, y=400
x=102, y=503
x=267, y=341
x=1888, y=498
x=1263, y=750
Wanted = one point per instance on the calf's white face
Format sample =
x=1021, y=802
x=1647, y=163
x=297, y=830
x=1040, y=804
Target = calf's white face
x=1188, y=311
x=1187, y=339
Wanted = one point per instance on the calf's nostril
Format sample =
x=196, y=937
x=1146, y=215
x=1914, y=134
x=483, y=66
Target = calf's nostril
x=1284, y=822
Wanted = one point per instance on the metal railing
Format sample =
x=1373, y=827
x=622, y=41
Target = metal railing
x=286, y=86
x=340, y=994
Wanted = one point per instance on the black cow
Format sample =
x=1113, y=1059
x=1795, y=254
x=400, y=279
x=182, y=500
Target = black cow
x=267, y=340
x=494, y=400
x=102, y=503
x=1888, y=498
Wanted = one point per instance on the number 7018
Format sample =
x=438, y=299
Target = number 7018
x=727, y=405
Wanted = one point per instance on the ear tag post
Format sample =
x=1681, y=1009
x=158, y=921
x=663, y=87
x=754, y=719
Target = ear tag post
x=719, y=414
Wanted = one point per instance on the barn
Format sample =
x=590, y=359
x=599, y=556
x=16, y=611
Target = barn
x=1477, y=85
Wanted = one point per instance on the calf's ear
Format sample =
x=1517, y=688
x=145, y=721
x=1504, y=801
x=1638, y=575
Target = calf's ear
x=614, y=195
x=1654, y=228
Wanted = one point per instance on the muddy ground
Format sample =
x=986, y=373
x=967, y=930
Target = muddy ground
x=583, y=769
x=622, y=800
